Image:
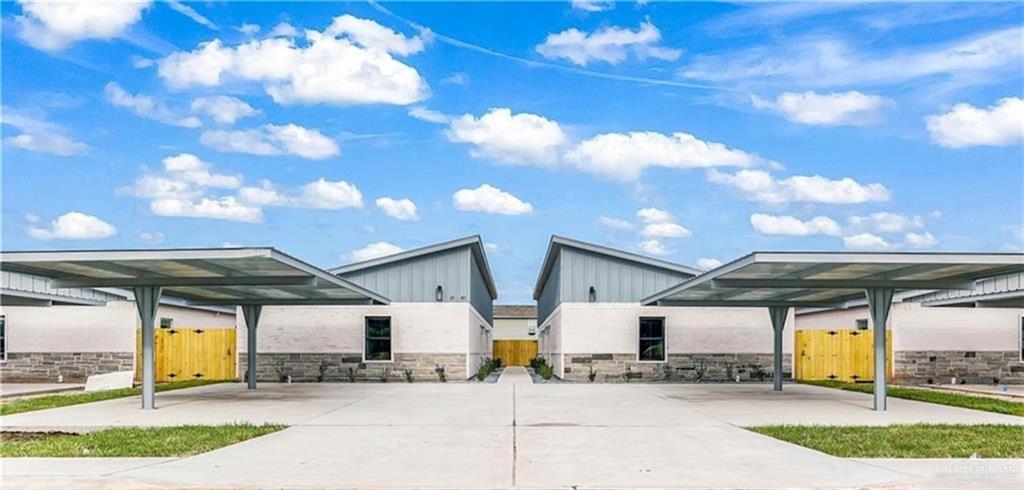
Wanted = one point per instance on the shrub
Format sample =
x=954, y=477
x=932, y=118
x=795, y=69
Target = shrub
x=385, y=374
x=441, y=376
x=546, y=371
x=408, y=375
x=592, y=375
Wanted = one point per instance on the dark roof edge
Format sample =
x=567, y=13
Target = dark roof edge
x=560, y=241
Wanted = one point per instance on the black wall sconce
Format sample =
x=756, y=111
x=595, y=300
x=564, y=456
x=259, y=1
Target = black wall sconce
x=593, y=294
x=439, y=293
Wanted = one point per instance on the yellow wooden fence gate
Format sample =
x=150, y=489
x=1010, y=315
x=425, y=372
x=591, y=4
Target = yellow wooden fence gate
x=190, y=353
x=515, y=352
x=840, y=355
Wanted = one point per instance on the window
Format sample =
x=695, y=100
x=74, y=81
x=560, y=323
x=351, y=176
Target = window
x=3, y=338
x=378, y=339
x=652, y=339
x=166, y=322
x=862, y=324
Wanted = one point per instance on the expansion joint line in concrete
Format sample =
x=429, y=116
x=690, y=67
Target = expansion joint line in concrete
x=515, y=454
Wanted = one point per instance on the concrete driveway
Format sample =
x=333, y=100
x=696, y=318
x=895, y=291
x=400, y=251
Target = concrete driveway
x=501, y=436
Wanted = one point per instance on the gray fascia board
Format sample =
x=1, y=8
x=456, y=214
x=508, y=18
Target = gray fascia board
x=838, y=284
x=15, y=293
x=974, y=299
x=560, y=241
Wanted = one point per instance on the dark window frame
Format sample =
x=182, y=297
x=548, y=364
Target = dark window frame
x=663, y=338
x=367, y=338
x=3, y=337
x=861, y=321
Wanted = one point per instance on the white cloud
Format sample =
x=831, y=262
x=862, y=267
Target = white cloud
x=865, y=241
x=608, y=44
x=706, y=264
x=272, y=139
x=827, y=61
x=223, y=208
x=965, y=125
x=284, y=29
x=490, y=200
x=223, y=109
x=429, y=115
x=400, y=209
x=592, y=5
x=921, y=240
x=660, y=223
x=74, y=226
x=886, y=222
x=191, y=13
x=349, y=63
x=790, y=226
x=760, y=186
x=843, y=108
x=189, y=168
x=653, y=247
x=147, y=107
x=624, y=157
x=511, y=138
x=319, y=194
x=248, y=29
x=370, y=34
x=153, y=238
x=52, y=26
x=373, y=251
x=457, y=78
x=39, y=135
x=615, y=223
x=492, y=247
x=141, y=62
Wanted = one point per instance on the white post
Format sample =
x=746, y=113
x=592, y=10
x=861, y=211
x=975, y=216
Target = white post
x=147, y=300
x=778, y=315
x=252, y=320
x=879, y=303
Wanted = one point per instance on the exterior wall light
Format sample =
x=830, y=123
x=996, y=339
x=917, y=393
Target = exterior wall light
x=439, y=293
x=593, y=294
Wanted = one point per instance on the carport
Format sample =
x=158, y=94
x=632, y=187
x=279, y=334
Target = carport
x=246, y=277
x=783, y=280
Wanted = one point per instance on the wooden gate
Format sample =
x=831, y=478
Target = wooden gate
x=840, y=355
x=190, y=353
x=515, y=352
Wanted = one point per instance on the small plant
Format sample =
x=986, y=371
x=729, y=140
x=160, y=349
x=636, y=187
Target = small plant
x=441, y=375
x=592, y=375
x=700, y=371
x=352, y=371
x=496, y=362
x=282, y=375
x=385, y=374
x=546, y=371
x=666, y=372
x=321, y=371
x=628, y=374
x=408, y=375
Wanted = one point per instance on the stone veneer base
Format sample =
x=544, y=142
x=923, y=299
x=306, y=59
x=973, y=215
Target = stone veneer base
x=304, y=367
x=679, y=367
x=47, y=367
x=973, y=367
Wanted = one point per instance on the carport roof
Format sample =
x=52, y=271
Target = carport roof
x=831, y=278
x=201, y=276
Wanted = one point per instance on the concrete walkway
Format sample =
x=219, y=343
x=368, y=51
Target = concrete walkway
x=462, y=435
x=515, y=375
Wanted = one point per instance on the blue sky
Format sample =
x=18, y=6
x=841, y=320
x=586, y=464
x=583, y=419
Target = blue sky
x=695, y=132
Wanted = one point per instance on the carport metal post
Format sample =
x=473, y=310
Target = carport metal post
x=147, y=300
x=252, y=320
x=879, y=303
x=778, y=314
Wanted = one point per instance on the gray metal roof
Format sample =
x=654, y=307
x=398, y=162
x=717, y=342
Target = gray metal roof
x=474, y=242
x=1002, y=288
x=830, y=278
x=560, y=241
x=207, y=276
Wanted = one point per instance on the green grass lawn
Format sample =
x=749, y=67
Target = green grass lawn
x=65, y=399
x=905, y=441
x=933, y=396
x=183, y=440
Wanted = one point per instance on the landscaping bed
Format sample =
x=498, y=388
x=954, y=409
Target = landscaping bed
x=961, y=400
x=185, y=440
x=905, y=441
x=32, y=404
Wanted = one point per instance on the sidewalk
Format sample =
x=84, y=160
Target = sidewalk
x=515, y=375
